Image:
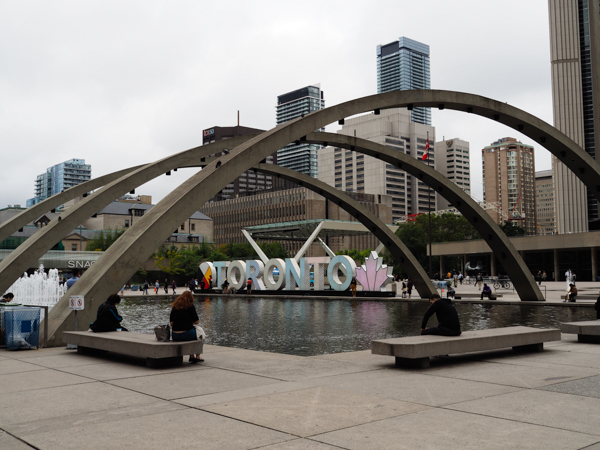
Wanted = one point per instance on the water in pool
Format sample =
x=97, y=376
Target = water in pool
x=308, y=327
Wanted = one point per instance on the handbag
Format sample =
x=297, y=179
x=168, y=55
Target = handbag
x=200, y=334
x=162, y=333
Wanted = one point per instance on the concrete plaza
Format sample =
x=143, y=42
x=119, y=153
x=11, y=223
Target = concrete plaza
x=241, y=399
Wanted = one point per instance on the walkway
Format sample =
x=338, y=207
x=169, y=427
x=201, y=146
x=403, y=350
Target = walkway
x=241, y=399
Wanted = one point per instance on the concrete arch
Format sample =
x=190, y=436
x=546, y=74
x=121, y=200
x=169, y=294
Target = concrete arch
x=501, y=246
x=113, y=269
x=409, y=263
x=34, y=248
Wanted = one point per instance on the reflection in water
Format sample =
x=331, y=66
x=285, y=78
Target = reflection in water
x=314, y=327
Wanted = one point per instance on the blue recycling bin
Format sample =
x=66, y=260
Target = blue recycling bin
x=21, y=326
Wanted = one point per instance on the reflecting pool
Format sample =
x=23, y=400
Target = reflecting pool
x=312, y=327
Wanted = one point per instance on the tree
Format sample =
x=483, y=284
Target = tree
x=168, y=259
x=355, y=254
x=510, y=228
x=446, y=227
x=104, y=239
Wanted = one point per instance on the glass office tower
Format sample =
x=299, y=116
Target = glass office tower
x=301, y=157
x=403, y=65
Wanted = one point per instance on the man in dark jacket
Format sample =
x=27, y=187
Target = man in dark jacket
x=448, y=323
x=108, y=318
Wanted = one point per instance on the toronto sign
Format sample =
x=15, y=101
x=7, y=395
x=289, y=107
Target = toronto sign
x=306, y=274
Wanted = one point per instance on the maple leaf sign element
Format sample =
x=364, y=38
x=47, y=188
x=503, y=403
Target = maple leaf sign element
x=373, y=275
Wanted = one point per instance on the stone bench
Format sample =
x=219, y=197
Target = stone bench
x=588, y=331
x=157, y=354
x=415, y=351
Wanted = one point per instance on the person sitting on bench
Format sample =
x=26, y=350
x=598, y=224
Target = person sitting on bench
x=108, y=318
x=572, y=294
x=487, y=291
x=448, y=322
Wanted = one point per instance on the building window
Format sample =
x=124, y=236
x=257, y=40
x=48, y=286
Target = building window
x=183, y=227
x=127, y=224
x=73, y=247
x=193, y=227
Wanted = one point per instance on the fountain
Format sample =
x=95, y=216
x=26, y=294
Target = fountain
x=38, y=289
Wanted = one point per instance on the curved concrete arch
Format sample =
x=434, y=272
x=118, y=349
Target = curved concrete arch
x=115, y=266
x=407, y=260
x=33, y=212
x=500, y=245
x=14, y=265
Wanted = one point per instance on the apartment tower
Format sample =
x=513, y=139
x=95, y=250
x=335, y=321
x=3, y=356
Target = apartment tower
x=60, y=177
x=509, y=181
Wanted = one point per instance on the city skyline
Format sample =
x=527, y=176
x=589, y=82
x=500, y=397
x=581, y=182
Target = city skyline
x=118, y=101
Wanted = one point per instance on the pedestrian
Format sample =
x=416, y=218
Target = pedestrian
x=544, y=276
x=479, y=280
x=409, y=286
x=353, y=286
x=173, y=285
x=539, y=277
x=404, y=289
x=146, y=286
x=71, y=281
x=568, y=278
x=249, y=286
x=191, y=285
x=122, y=289
x=448, y=321
x=166, y=286
x=225, y=286
x=156, y=286
x=460, y=277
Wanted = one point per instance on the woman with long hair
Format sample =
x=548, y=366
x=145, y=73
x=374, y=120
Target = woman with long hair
x=183, y=318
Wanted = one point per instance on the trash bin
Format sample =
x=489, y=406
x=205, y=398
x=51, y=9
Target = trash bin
x=134, y=287
x=20, y=326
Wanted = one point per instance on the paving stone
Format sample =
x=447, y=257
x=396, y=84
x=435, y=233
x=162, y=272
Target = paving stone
x=180, y=385
x=11, y=366
x=184, y=429
x=312, y=411
x=587, y=387
x=437, y=428
x=9, y=442
x=551, y=409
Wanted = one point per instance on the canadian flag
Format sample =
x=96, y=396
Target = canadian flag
x=426, y=154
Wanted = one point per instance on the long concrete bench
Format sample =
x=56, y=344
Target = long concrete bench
x=415, y=351
x=588, y=331
x=157, y=354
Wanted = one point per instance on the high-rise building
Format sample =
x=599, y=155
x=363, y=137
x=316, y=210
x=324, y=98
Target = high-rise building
x=249, y=181
x=402, y=65
x=301, y=157
x=575, y=55
x=544, y=202
x=452, y=161
x=350, y=171
x=509, y=181
x=60, y=177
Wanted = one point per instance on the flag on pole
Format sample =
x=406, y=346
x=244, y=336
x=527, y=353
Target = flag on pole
x=426, y=154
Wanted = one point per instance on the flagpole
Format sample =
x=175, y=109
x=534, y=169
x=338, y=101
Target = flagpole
x=429, y=211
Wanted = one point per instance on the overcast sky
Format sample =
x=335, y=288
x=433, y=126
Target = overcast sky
x=119, y=83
